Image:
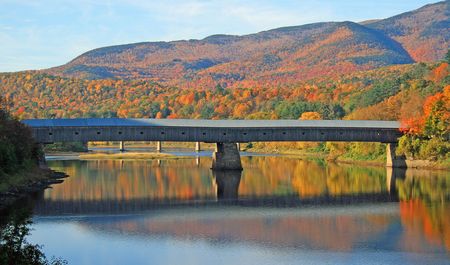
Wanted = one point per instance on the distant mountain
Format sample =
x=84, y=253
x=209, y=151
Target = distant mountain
x=424, y=33
x=283, y=55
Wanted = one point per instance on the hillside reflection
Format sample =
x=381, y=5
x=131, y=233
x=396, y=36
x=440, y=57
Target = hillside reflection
x=183, y=179
x=124, y=186
x=172, y=196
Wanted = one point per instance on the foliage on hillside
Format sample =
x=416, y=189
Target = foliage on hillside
x=423, y=33
x=282, y=55
x=277, y=57
x=390, y=93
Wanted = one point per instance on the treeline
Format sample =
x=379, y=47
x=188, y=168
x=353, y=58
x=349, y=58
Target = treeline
x=18, y=150
x=37, y=95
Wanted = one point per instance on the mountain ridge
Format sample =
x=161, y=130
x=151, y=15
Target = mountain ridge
x=284, y=54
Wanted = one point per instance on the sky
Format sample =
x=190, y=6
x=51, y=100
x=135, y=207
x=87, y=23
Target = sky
x=46, y=33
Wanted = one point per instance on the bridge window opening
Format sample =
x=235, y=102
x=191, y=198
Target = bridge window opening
x=98, y=132
x=341, y=133
x=284, y=132
x=303, y=133
x=183, y=133
x=378, y=134
x=162, y=132
x=120, y=132
x=264, y=133
x=76, y=133
x=322, y=133
x=141, y=132
x=224, y=133
x=50, y=133
x=244, y=133
x=204, y=133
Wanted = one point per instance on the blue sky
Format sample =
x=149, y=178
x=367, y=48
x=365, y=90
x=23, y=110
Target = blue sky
x=42, y=34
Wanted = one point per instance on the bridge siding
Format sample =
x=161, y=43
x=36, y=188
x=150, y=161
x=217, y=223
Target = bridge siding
x=197, y=134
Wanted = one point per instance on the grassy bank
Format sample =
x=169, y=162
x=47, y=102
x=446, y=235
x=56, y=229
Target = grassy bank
x=23, y=178
x=26, y=181
x=129, y=155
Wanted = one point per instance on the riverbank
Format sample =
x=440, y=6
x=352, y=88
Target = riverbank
x=309, y=151
x=129, y=156
x=16, y=186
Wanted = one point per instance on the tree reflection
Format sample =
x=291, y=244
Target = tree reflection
x=424, y=207
x=14, y=248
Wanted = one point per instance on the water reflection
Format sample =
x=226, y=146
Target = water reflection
x=277, y=203
x=125, y=186
x=227, y=183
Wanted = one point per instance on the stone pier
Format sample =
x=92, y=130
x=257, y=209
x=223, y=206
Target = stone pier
x=158, y=146
x=227, y=182
x=392, y=160
x=226, y=157
x=197, y=147
x=121, y=146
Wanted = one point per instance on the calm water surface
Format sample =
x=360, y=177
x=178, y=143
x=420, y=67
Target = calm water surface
x=278, y=210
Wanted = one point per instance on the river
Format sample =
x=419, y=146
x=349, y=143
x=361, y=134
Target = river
x=278, y=210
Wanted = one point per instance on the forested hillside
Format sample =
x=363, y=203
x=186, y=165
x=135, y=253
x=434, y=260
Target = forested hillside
x=389, y=93
x=279, y=56
x=424, y=33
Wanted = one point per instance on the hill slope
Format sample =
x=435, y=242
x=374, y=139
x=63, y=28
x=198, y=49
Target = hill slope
x=285, y=53
x=278, y=56
x=424, y=33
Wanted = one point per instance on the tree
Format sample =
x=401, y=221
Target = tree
x=310, y=115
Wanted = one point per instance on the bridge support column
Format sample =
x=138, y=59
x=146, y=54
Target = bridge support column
x=121, y=146
x=197, y=147
x=238, y=146
x=226, y=157
x=227, y=182
x=158, y=146
x=392, y=160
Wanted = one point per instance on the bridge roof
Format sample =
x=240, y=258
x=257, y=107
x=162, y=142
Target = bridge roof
x=112, y=122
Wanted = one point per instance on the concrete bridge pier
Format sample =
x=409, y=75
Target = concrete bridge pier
x=158, y=146
x=392, y=160
x=121, y=146
x=226, y=157
x=197, y=147
x=227, y=182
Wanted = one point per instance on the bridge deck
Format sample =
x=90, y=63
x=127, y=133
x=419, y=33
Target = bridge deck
x=115, y=129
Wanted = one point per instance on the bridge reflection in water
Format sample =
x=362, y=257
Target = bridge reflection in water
x=276, y=202
x=114, y=186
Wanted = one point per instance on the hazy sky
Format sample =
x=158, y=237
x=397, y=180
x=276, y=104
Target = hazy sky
x=42, y=34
